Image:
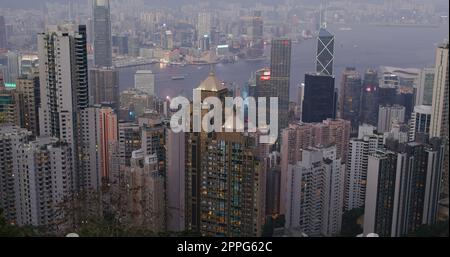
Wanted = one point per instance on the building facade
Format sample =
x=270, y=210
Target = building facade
x=325, y=52
x=420, y=123
x=63, y=76
x=440, y=106
x=224, y=185
x=10, y=137
x=387, y=115
x=280, y=68
x=102, y=33
x=28, y=100
x=320, y=99
x=144, y=81
x=350, y=97
x=104, y=86
x=315, y=193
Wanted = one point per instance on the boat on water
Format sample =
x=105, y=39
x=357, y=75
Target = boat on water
x=181, y=77
x=256, y=59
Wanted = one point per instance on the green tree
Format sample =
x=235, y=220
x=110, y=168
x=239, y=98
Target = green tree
x=350, y=226
x=10, y=230
x=439, y=229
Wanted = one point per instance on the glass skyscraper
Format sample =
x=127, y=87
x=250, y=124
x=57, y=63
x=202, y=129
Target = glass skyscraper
x=319, y=103
x=102, y=33
x=325, y=52
x=280, y=66
x=3, y=41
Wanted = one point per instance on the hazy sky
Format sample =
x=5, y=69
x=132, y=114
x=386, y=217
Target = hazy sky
x=27, y=4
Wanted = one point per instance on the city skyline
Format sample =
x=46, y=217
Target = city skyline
x=122, y=120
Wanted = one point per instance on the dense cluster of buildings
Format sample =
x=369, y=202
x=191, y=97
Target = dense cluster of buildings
x=378, y=142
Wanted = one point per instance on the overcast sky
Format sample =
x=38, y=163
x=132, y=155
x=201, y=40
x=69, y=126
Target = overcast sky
x=31, y=4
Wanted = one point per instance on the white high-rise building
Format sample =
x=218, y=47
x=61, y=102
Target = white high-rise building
x=43, y=174
x=420, y=122
x=387, y=115
x=440, y=103
x=356, y=175
x=440, y=106
x=398, y=132
x=204, y=21
x=12, y=67
x=315, y=193
x=144, y=80
x=424, y=93
x=63, y=75
x=10, y=136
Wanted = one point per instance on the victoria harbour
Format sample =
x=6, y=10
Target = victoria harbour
x=359, y=47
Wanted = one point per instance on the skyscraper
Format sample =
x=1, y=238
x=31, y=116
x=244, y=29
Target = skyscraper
x=255, y=32
x=63, y=79
x=350, y=97
x=302, y=136
x=204, y=21
x=10, y=136
x=387, y=115
x=28, y=100
x=359, y=151
x=273, y=175
x=424, y=92
x=263, y=87
x=97, y=143
x=315, y=193
x=175, y=180
x=12, y=66
x=404, y=187
x=129, y=141
x=420, y=123
x=440, y=105
x=29, y=64
x=102, y=33
x=45, y=185
x=144, y=80
x=301, y=97
x=104, y=85
x=3, y=38
x=280, y=68
x=319, y=101
x=380, y=194
x=153, y=139
x=369, y=98
x=7, y=107
x=325, y=52
x=145, y=184
x=224, y=182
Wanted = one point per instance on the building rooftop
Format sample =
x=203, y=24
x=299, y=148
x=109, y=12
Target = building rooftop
x=9, y=129
x=211, y=83
x=325, y=33
x=403, y=72
x=424, y=109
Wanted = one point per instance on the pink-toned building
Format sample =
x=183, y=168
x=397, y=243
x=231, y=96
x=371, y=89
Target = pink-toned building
x=108, y=138
x=98, y=140
x=298, y=137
